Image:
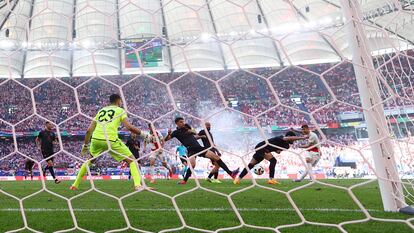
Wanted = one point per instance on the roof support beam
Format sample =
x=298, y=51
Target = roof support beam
x=8, y=14
x=378, y=25
x=322, y=36
x=119, y=45
x=216, y=32
x=72, y=46
x=268, y=29
x=165, y=34
x=27, y=37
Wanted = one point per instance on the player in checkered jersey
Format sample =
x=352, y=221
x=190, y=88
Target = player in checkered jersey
x=157, y=143
x=314, y=152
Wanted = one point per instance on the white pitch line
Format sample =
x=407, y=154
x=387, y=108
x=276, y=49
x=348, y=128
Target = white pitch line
x=189, y=210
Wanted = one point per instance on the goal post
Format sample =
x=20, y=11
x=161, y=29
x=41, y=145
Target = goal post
x=379, y=137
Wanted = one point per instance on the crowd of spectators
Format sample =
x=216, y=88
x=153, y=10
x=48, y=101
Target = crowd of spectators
x=291, y=96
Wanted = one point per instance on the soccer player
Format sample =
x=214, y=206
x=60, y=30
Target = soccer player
x=313, y=151
x=207, y=144
x=181, y=151
x=102, y=134
x=44, y=142
x=264, y=151
x=156, y=152
x=189, y=140
x=28, y=167
x=134, y=146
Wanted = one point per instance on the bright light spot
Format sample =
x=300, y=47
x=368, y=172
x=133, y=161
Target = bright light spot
x=87, y=43
x=61, y=44
x=326, y=21
x=205, y=37
x=6, y=44
x=24, y=44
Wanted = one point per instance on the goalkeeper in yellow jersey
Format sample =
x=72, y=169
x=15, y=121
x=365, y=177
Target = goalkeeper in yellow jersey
x=102, y=135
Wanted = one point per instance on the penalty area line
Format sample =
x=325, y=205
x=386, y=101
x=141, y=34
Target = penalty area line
x=187, y=210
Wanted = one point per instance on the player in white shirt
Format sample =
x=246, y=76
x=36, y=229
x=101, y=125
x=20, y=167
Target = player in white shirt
x=313, y=153
x=157, y=143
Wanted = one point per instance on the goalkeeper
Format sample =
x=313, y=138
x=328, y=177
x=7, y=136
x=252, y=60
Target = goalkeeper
x=102, y=135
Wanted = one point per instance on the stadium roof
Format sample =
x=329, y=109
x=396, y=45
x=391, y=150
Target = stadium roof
x=43, y=38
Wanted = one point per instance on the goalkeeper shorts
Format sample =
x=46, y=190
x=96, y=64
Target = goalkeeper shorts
x=118, y=150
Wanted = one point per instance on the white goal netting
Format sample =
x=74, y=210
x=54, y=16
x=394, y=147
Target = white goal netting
x=254, y=69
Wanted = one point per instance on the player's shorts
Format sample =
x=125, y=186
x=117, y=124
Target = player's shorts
x=158, y=154
x=313, y=156
x=215, y=151
x=119, y=151
x=197, y=149
x=46, y=154
x=28, y=165
x=259, y=156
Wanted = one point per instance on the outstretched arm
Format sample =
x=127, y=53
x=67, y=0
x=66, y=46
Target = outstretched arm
x=130, y=127
x=295, y=138
x=168, y=137
x=37, y=140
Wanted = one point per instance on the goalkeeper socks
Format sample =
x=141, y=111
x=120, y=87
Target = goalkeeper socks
x=224, y=166
x=210, y=175
x=52, y=172
x=244, y=172
x=272, y=166
x=81, y=173
x=133, y=168
x=187, y=174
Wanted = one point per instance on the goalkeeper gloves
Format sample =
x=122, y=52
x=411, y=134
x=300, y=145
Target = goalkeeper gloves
x=85, y=149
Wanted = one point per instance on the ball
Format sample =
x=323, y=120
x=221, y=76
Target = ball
x=258, y=170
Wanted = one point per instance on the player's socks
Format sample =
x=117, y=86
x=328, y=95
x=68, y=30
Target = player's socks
x=152, y=172
x=135, y=174
x=216, y=175
x=211, y=175
x=52, y=172
x=224, y=166
x=185, y=170
x=187, y=174
x=306, y=172
x=44, y=170
x=244, y=172
x=272, y=166
x=81, y=173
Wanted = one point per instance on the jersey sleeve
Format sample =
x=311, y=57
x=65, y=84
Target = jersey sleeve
x=123, y=115
x=174, y=134
x=40, y=135
x=313, y=139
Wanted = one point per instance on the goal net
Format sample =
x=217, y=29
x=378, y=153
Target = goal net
x=253, y=69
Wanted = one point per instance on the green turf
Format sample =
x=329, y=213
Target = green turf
x=263, y=205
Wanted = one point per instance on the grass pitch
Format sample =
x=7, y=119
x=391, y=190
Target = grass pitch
x=206, y=207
